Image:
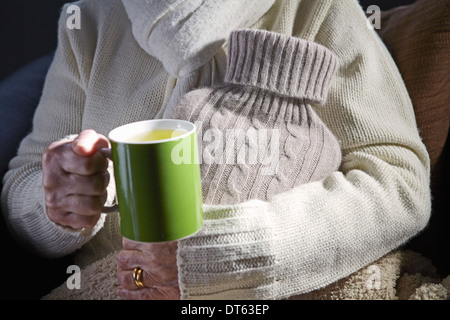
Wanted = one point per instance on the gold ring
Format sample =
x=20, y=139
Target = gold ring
x=137, y=277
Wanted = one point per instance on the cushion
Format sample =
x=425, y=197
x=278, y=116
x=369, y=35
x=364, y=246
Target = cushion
x=418, y=37
x=19, y=97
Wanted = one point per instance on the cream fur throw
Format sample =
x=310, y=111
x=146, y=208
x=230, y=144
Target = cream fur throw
x=400, y=275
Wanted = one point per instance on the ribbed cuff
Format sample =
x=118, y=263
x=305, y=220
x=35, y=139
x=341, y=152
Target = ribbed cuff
x=280, y=63
x=34, y=228
x=232, y=257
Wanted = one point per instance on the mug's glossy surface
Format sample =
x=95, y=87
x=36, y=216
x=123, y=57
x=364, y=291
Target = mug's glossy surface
x=158, y=184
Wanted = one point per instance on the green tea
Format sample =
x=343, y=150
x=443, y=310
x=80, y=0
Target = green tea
x=157, y=134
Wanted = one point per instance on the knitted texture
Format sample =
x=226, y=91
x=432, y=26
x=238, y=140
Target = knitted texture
x=259, y=134
x=301, y=240
x=160, y=28
x=400, y=275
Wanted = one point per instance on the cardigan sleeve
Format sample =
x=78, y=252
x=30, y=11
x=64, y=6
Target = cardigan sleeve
x=322, y=231
x=58, y=115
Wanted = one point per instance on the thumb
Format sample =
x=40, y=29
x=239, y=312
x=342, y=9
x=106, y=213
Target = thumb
x=89, y=142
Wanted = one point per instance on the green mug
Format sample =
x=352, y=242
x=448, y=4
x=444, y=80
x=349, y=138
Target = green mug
x=158, y=182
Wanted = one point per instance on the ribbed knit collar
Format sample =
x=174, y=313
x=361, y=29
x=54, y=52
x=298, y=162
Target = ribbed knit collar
x=185, y=34
x=282, y=64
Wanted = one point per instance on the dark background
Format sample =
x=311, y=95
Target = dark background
x=28, y=29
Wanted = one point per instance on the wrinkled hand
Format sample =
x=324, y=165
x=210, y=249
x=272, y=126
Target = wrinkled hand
x=75, y=178
x=160, y=271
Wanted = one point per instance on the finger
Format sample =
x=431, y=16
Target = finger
x=73, y=220
x=89, y=142
x=154, y=272
x=159, y=254
x=93, y=185
x=157, y=271
x=132, y=245
x=86, y=166
x=126, y=280
x=77, y=221
x=58, y=144
x=146, y=246
x=84, y=205
x=130, y=259
x=149, y=279
x=154, y=293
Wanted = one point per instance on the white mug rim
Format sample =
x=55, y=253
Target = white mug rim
x=120, y=134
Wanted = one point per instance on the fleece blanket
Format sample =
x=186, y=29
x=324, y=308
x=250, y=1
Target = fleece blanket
x=400, y=275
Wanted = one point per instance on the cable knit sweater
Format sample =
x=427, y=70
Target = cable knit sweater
x=299, y=240
x=259, y=135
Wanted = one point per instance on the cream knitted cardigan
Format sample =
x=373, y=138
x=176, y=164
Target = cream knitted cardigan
x=302, y=239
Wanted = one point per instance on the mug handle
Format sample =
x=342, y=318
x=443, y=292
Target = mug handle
x=114, y=208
